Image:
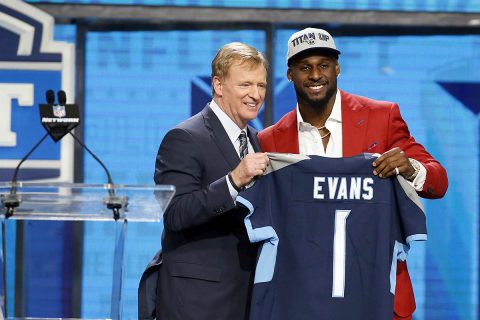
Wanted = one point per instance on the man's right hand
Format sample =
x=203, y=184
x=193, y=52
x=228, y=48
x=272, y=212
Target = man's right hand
x=254, y=164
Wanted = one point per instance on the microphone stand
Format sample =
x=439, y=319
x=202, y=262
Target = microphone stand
x=113, y=202
x=12, y=200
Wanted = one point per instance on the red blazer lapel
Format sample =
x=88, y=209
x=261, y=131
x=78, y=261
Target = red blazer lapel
x=354, y=125
x=354, y=129
x=285, y=133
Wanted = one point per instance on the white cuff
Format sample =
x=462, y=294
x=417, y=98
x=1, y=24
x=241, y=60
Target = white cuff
x=231, y=189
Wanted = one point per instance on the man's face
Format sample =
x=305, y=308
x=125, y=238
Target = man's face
x=241, y=93
x=314, y=78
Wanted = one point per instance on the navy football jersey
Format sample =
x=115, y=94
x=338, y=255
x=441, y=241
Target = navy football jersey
x=332, y=233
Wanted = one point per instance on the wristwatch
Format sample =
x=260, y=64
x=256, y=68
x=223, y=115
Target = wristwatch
x=416, y=167
x=237, y=188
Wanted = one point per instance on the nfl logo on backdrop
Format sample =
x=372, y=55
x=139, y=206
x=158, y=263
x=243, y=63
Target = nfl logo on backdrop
x=30, y=64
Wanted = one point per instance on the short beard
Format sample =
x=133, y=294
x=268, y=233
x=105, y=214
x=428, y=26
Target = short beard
x=319, y=105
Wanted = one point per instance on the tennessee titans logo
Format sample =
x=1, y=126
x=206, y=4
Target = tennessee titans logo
x=30, y=64
x=310, y=38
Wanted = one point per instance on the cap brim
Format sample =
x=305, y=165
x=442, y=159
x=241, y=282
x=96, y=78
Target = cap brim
x=312, y=50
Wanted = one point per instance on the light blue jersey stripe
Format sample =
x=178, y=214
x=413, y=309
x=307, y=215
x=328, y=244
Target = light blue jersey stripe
x=417, y=237
x=268, y=253
x=400, y=253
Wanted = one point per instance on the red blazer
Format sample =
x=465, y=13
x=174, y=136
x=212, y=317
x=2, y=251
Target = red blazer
x=370, y=126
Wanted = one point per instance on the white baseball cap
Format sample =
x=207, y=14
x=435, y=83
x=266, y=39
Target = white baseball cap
x=310, y=39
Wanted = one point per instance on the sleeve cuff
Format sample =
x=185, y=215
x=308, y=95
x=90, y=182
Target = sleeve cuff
x=231, y=189
x=419, y=180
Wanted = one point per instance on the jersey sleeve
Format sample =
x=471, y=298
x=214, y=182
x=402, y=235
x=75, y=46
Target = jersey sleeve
x=259, y=226
x=411, y=224
x=412, y=214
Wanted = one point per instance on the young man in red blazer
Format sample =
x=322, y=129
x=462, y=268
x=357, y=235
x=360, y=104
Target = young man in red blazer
x=333, y=123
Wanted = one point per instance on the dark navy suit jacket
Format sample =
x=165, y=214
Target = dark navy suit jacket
x=208, y=262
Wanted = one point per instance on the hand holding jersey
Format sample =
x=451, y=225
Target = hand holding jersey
x=254, y=164
x=394, y=162
x=332, y=233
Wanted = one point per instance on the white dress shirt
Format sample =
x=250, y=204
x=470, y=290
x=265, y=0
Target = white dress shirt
x=310, y=141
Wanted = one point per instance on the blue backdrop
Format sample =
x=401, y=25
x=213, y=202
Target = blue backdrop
x=396, y=5
x=140, y=84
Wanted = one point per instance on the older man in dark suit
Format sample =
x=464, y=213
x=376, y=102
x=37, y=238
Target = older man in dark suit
x=208, y=262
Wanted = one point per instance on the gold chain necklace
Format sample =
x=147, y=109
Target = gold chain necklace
x=321, y=128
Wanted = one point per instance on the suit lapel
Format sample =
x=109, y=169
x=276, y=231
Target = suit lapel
x=220, y=137
x=252, y=136
x=354, y=125
x=285, y=134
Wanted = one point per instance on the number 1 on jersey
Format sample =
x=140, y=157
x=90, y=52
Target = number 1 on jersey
x=339, y=256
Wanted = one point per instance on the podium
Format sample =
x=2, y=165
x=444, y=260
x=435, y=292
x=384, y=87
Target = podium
x=80, y=202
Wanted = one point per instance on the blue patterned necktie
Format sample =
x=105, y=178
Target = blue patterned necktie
x=243, y=144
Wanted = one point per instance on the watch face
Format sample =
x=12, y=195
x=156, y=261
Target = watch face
x=416, y=167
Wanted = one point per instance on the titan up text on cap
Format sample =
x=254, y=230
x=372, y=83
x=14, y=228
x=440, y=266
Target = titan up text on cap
x=310, y=39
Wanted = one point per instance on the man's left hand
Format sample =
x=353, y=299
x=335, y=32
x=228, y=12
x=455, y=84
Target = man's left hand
x=393, y=162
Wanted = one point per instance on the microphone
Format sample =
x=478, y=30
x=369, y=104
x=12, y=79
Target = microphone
x=59, y=120
x=62, y=98
x=50, y=96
